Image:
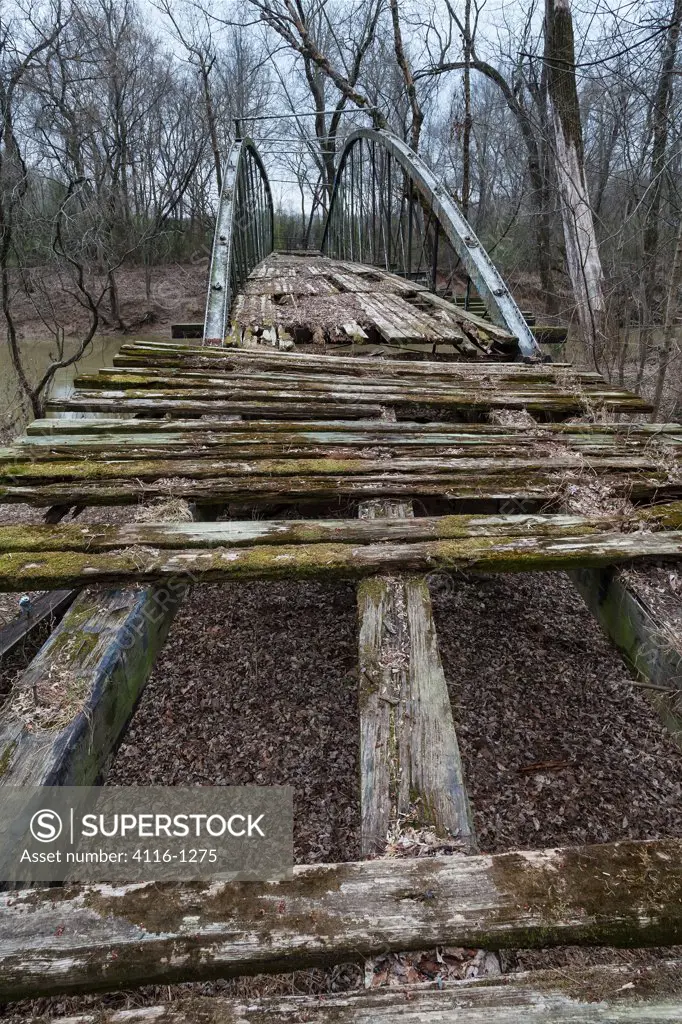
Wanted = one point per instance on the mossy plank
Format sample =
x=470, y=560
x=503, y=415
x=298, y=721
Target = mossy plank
x=93, y=538
x=372, y=427
x=619, y=994
x=95, y=665
x=330, y=402
x=207, y=467
x=158, y=377
x=79, y=938
x=45, y=570
x=150, y=403
x=411, y=770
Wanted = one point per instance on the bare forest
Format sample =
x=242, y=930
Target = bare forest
x=557, y=129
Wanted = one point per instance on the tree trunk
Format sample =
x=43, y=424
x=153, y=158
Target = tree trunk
x=466, y=133
x=661, y=121
x=669, y=321
x=582, y=252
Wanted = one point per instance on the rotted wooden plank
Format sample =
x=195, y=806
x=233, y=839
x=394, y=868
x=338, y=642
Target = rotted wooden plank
x=337, y=405
x=619, y=994
x=671, y=432
x=99, y=537
x=14, y=472
x=410, y=767
x=68, y=709
x=470, y=486
x=22, y=570
x=102, y=937
x=258, y=379
x=282, y=409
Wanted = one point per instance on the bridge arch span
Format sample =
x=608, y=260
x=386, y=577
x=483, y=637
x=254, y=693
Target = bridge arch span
x=244, y=234
x=388, y=208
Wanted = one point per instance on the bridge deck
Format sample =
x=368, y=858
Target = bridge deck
x=511, y=466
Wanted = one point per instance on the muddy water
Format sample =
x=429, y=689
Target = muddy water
x=38, y=353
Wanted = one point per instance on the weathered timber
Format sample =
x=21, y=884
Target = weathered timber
x=99, y=937
x=411, y=770
x=470, y=486
x=98, y=537
x=619, y=994
x=47, y=606
x=410, y=766
x=69, y=707
x=151, y=403
x=542, y=400
x=309, y=363
x=467, y=317
x=650, y=644
x=156, y=377
x=44, y=570
x=329, y=445
x=28, y=472
x=373, y=427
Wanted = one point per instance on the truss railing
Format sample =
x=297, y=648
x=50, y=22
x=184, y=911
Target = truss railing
x=388, y=209
x=243, y=235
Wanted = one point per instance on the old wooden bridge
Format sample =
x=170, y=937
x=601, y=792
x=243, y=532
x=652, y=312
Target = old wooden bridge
x=356, y=380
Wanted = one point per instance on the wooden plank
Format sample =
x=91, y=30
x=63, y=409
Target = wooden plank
x=410, y=766
x=100, y=537
x=46, y=606
x=652, y=432
x=69, y=707
x=282, y=409
x=471, y=485
x=15, y=473
x=411, y=770
x=21, y=570
x=310, y=363
x=466, y=317
x=338, y=444
x=337, y=404
x=103, y=937
x=258, y=379
x=619, y=994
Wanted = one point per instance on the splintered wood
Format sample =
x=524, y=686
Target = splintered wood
x=317, y=300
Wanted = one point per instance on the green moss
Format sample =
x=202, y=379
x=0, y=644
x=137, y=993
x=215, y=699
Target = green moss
x=626, y=893
x=6, y=757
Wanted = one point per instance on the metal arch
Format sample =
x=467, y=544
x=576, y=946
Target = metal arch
x=347, y=234
x=244, y=234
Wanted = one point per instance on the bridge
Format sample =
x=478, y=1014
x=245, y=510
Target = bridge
x=415, y=426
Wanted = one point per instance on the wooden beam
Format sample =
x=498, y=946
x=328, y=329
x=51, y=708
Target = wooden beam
x=160, y=425
x=49, y=605
x=620, y=994
x=326, y=404
x=94, y=538
x=467, y=463
x=410, y=767
x=149, y=402
x=102, y=937
x=68, y=709
x=44, y=570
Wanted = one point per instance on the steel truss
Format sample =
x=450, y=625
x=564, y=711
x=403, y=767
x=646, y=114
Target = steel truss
x=388, y=209
x=243, y=236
